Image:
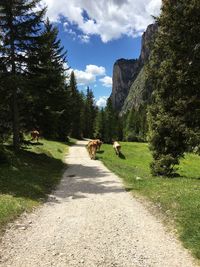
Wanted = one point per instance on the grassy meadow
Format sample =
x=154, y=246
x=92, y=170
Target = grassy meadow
x=177, y=198
x=28, y=177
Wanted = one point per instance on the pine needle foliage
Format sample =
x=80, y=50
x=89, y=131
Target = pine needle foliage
x=174, y=115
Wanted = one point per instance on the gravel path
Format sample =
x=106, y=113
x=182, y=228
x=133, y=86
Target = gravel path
x=90, y=221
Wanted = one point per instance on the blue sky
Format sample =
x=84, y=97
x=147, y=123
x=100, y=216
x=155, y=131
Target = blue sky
x=98, y=32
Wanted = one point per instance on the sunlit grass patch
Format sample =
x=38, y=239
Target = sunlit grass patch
x=29, y=176
x=177, y=198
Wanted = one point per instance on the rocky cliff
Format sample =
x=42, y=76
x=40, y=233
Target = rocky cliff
x=124, y=73
x=129, y=77
x=146, y=40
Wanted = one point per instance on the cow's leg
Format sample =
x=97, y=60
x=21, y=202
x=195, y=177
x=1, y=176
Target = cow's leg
x=90, y=152
x=94, y=148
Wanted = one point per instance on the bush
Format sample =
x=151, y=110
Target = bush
x=164, y=166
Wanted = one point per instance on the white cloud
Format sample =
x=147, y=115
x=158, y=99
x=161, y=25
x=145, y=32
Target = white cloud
x=106, y=81
x=84, y=78
x=89, y=74
x=101, y=102
x=108, y=19
x=95, y=70
x=84, y=38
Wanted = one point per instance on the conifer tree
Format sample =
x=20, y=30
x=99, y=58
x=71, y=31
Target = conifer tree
x=90, y=112
x=49, y=99
x=20, y=24
x=100, y=125
x=135, y=124
x=76, y=107
x=111, y=123
x=174, y=116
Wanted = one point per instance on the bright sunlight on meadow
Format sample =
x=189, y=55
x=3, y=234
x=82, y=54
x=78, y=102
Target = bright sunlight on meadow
x=177, y=198
x=30, y=176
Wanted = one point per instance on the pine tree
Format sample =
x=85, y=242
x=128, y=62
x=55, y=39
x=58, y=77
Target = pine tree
x=76, y=107
x=49, y=96
x=111, y=123
x=174, y=116
x=90, y=112
x=20, y=25
x=100, y=125
x=135, y=125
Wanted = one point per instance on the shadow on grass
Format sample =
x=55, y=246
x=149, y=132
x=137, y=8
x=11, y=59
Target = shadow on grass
x=27, y=143
x=30, y=176
x=121, y=155
x=100, y=152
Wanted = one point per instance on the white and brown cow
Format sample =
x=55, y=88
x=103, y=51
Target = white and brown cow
x=117, y=147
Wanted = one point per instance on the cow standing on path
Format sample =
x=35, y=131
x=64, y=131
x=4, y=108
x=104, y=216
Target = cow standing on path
x=92, y=148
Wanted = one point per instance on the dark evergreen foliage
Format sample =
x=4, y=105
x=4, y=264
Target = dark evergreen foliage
x=49, y=96
x=174, y=116
x=90, y=112
x=76, y=105
x=20, y=25
x=135, y=125
x=111, y=123
x=100, y=125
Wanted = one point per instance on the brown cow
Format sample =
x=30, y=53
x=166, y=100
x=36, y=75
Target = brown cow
x=92, y=148
x=35, y=135
x=99, y=143
x=117, y=147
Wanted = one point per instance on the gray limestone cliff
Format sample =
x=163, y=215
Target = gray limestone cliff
x=124, y=73
x=146, y=41
x=129, y=77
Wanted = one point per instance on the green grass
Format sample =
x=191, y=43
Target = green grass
x=177, y=198
x=34, y=171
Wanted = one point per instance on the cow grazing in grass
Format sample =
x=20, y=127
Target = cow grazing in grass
x=117, y=147
x=35, y=135
x=92, y=148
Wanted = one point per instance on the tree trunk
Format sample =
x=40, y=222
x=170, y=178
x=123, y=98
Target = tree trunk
x=14, y=86
x=16, y=141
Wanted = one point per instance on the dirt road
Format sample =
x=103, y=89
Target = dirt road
x=90, y=221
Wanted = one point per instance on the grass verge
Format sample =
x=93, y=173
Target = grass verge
x=33, y=172
x=177, y=198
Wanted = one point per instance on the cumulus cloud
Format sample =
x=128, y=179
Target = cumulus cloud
x=89, y=75
x=84, y=38
x=106, y=81
x=95, y=70
x=101, y=102
x=84, y=78
x=108, y=19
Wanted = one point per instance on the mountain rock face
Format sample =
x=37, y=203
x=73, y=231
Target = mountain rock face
x=146, y=40
x=126, y=72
